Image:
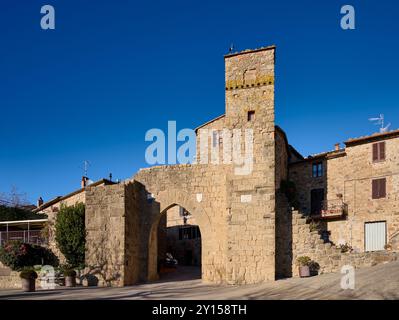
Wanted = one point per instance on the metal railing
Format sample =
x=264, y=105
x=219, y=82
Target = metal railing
x=26, y=236
x=333, y=208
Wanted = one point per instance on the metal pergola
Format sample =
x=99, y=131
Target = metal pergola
x=24, y=225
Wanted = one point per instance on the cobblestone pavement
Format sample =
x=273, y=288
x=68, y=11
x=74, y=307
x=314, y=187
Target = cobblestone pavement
x=378, y=282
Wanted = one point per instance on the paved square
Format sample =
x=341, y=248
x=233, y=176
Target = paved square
x=378, y=282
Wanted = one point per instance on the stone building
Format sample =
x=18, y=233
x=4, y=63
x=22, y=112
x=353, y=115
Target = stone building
x=52, y=207
x=183, y=237
x=354, y=191
x=235, y=213
x=249, y=231
x=253, y=223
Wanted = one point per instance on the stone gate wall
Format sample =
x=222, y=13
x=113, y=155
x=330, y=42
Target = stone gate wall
x=115, y=251
x=234, y=207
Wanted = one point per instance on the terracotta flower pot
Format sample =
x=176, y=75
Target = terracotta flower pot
x=70, y=281
x=28, y=285
x=304, y=271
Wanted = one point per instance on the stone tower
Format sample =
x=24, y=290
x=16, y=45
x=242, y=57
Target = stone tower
x=251, y=197
x=234, y=208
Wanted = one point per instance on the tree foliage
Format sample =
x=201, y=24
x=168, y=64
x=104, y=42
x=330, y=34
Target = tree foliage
x=14, y=213
x=18, y=255
x=70, y=233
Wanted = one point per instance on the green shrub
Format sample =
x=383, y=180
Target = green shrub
x=18, y=255
x=69, y=273
x=314, y=226
x=304, y=261
x=345, y=248
x=70, y=233
x=28, y=274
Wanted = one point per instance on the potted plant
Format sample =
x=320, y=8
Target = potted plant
x=314, y=268
x=345, y=248
x=70, y=277
x=304, y=263
x=28, y=278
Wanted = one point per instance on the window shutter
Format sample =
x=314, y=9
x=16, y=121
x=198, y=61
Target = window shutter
x=382, y=151
x=375, y=189
x=375, y=152
x=383, y=188
x=379, y=188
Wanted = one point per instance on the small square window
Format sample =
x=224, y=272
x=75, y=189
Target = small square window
x=251, y=115
x=317, y=170
x=379, y=188
x=379, y=152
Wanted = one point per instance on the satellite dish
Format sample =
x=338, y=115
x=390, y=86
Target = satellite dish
x=89, y=182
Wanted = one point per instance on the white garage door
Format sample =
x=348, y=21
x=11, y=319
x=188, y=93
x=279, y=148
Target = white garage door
x=375, y=236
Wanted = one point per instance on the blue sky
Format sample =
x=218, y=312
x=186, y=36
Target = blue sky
x=111, y=70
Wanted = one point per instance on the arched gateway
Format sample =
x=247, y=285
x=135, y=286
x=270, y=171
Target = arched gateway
x=176, y=185
x=168, y=199
x=235, y=209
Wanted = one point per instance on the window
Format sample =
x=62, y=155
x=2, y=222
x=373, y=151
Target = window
x=379, y=151
x=251, y=115
x=187, y=233
x=379, y=187
x=183, y=212
x=317, y=170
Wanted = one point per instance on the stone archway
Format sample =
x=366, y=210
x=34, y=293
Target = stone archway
x=167, y=200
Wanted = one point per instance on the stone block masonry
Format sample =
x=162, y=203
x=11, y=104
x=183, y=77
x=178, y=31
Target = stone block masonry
x=238, y=237
x=329, y=257
x=249, y=233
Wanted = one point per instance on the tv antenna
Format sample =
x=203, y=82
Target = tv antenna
x=86, y=165
x=380, y=121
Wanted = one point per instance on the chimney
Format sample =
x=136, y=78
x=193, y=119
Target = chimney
x=337, y=146
x=40, y=202
x=84, y=182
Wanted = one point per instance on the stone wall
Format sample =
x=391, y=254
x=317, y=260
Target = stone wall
x=201, y=191
x=352, y=176
x=284, y=241
x=105, y=234
x=329, y=257
x=10, y=280
x=301, y=174
x=282, y=156
x=251, y=198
